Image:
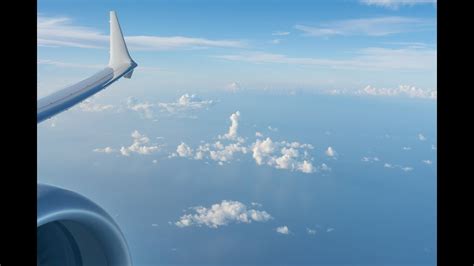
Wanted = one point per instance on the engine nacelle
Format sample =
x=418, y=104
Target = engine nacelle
x=74, y=231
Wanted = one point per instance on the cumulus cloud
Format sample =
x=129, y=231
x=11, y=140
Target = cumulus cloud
x=141, y=145
x=283, y=230
x=395, y=4
x=370, y=159
x=262, y=149
x=324, y=168
x=307, y=167
x=62, y=32
x=221, y=214
x=143, y=108
x=258, y=134
x=406, y=90
x=406, y=148
x=219, y=151
x=311, y=231
x=427, y=162
x=401, y=91
x=421, y=137
x=397, y=166
x=292, y=156
x=273, y=129
x=105, y=150
x=330, y=152
x=234, y=126
x=282, y=155
x=89, y=105
x=233, y=87
x=185, y=103
x=223, y=150
x=183, y=150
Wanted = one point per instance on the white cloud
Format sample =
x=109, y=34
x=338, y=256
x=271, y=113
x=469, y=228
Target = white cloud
x=283, y=230
x=262, y=149
x=378, y=26
x=184, y=150
x=66, y=64
x=307, y=167
x=143, y=108
x=427, y=162
x=234, y=126
x=293, y=156
x=330, y=152
x=275, y=41
x=395, y=4
x=401, y=167
x=185, y=103
x=105, y=150
x=141, y=145
x=324, y=168
x=61, y=32
x=311, y=231
x=282, y=155
x=421, y=137
x=402, y=90
x=226, y=153
x=280, y=33
x=406, y=148
x=329, y=230
x=221, y=214
x=273, y=129
x=371, y=58
x=433, y=147
x=89, y=105
x=370, y=159
x=258, y=134
x=256, y=204
x=233, y=87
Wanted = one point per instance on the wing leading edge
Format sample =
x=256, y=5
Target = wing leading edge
x=120, y=64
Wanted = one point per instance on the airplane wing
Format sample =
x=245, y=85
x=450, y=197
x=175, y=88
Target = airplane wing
x=120, y=64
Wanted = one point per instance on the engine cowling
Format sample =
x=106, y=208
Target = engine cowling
x=74, y=231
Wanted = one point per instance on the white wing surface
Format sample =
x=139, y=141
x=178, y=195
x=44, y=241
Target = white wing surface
x=120, y=64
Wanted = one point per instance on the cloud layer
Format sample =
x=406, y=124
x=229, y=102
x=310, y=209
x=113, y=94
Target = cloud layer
x=394, y=4
x=378, y=26
x=371, y=58
x=402, y=91
x=62, y=32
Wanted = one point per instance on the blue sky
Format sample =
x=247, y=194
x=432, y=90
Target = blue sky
x=266, y=44
x=251, y=133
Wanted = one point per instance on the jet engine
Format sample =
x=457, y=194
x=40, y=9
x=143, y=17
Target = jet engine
x=74, y=231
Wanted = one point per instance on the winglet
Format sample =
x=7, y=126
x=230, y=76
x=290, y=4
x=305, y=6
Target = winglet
x=118, y=48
